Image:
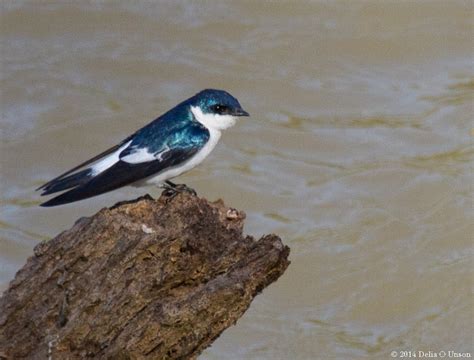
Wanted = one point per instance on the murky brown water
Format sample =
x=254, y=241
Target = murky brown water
x=358, y=152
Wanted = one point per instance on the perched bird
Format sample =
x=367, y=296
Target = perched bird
x=172, y=144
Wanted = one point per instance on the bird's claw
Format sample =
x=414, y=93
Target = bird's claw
x=171, y=189
x=185, y=188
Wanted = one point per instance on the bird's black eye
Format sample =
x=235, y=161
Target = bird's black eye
x=220, y=109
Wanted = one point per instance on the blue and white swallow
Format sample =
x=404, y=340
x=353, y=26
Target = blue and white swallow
x=172, y=144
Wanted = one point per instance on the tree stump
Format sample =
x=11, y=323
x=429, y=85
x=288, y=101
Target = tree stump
x=157, y=279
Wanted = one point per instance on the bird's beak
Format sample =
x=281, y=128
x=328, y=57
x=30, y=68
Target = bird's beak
x=240, y=112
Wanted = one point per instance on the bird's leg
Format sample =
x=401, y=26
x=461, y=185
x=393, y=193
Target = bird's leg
x=171, y=189
x=170, y=183
x=182, y=188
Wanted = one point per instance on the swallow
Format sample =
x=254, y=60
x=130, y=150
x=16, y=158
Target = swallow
x=169, y=146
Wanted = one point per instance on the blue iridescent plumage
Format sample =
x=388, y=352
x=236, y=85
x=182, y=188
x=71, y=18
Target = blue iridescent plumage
x=179, y=125
x=166, y=143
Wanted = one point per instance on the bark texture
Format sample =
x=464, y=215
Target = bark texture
x=144, y=279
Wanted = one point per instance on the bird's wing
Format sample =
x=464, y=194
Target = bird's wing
x=158, y=132
x=167, y=141
x=123, y=173
x=74, y=177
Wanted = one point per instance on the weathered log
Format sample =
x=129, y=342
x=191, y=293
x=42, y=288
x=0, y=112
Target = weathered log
x=144, y=279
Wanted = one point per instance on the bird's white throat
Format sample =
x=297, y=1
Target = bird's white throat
x=213, y=121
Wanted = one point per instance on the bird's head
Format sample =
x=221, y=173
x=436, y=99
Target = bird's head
x=216, y=109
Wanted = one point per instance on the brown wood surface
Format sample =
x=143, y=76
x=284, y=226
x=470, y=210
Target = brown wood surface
x=144, y=279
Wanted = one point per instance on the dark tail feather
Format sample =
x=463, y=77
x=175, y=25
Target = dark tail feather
x=116, y=176
x=76, y=194
x=61, y=199
x=67, y=182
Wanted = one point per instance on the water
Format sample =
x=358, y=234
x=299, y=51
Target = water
x=358, y=152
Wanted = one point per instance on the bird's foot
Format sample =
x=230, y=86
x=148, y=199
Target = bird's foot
x=171, y=189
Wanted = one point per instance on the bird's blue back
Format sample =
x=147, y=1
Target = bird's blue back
x=174, y=129
x=178, y=128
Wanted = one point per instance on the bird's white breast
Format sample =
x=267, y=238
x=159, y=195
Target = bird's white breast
x=188, y=164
